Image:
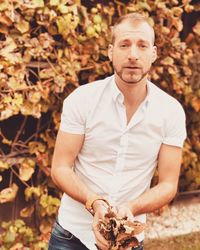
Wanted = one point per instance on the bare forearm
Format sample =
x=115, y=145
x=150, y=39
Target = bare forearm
x=70, y=183
x=153, y=199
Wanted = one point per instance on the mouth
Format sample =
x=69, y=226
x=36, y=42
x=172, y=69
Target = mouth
x=132, y=68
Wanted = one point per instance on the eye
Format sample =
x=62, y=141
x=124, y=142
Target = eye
x=123, y=45
x=143, y=46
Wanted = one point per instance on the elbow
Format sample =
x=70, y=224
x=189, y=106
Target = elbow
x=171, y=191
x=53, y=174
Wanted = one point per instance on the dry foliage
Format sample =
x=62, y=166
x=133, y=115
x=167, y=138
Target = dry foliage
x=120, y=232
x=47, y=49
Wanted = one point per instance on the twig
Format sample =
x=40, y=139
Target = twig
x=19, y=132
x=19, y=177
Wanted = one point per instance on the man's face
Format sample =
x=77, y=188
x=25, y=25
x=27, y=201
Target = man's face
x=132, y=53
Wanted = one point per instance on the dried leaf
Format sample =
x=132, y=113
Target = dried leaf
x=17, y=246
x=8, y=46
x=30, y=191
x=54, y=2
x=8, y=194
x=45, y=227
x=27, y=211
x=168, y=61
x=38, y=3
x=5, y=20
x=23, y=26
x=4, y=5
x=120, y=232
x=3, y=166
x=195, y=102
x=25, y=172
x=196, y=28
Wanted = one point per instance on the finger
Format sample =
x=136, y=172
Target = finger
x=101, y=245
x=100, y=240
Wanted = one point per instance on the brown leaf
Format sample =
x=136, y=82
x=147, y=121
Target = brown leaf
x=27, y=211
x=196, y=28
x=4, y=165
x=17, y=246
x=195, y=102
x=5, y=20
x=45, y=227
x=22, y=26
x=120, y=232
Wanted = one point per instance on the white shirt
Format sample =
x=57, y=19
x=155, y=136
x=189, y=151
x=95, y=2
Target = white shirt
x=117, y=160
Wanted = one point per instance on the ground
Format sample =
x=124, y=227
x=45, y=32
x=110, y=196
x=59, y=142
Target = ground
x=176, y=228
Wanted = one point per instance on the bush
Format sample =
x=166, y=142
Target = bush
x=50, y=47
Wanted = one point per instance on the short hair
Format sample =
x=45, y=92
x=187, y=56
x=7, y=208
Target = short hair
x=133, y=17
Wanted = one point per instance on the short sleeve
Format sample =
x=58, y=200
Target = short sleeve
x=73, y=113
x=175, y=130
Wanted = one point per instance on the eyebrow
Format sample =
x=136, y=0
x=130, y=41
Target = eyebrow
x=140, y=41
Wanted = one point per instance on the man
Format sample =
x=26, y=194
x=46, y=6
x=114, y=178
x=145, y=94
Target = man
x=113, y=134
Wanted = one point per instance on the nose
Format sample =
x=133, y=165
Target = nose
x=133, y=53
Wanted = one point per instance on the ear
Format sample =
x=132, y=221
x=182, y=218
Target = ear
x=110, y=52
x=155, y=55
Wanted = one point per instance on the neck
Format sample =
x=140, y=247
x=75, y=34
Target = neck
x=134, y=93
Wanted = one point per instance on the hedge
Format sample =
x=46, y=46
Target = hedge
x=47, y=49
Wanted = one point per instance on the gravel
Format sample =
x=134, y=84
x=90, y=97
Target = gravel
x=182, y=217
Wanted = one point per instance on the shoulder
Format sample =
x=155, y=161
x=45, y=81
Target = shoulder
x=164, y=102
x=89, y=90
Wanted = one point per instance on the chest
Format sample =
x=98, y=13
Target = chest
x=107, y=132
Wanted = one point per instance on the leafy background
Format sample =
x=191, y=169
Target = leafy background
x=47, y=49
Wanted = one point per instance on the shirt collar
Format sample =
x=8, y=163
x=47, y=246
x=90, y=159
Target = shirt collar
x=117, y=94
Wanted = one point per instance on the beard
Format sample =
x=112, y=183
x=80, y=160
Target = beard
x=131, y=77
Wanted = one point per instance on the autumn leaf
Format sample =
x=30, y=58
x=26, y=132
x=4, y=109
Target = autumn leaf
x=4, y=19
x=6, y=141
x=6, y=113
x=17, y=246
x=23, y=26
x=54, y=2
x=168, y=61
x=26, y=169
x=62, y=25
x=177, y=11
x=195, y=103
x=34, y=97
x=49, y=205
x=8, y=194
x=10, y=236
x=25, y=173
x=196, y=28
x=3, y=29
x=45, y=227
x=30, y=191
x=27, y=211
x=4, y=5
x=15, y=84
x=120, y=232
x=3, y=166
x=35, y=147
x=189, y=8
x=8, y=46
x=38, y=3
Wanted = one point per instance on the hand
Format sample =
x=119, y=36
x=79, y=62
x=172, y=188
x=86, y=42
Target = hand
x=100, y=209
x=124, y=210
